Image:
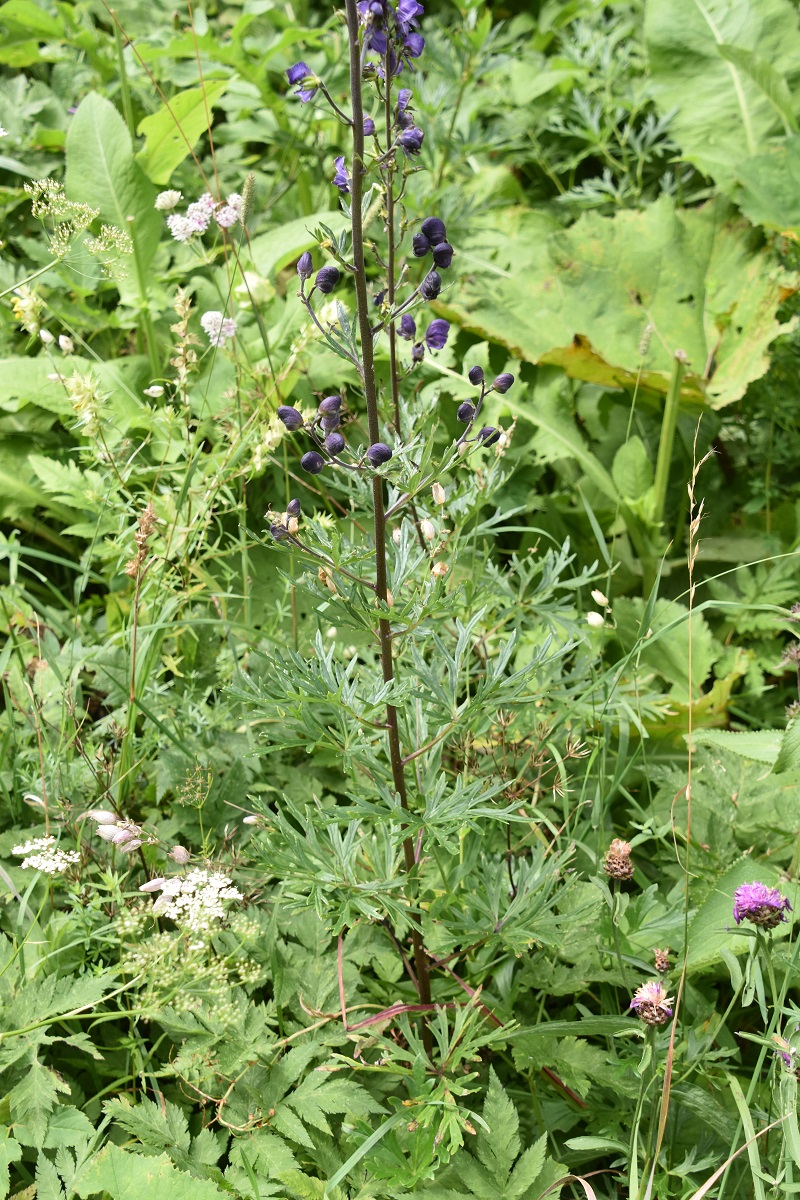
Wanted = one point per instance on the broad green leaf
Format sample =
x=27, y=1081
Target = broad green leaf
x=664, y=647
x=10, y=1152
x=789, y=754
x=582, y=298
x=769, y=186
x=762, y=745
x=274, y=250
x=172, y=132
x=102, y=171
x=632, y=470
x=124, y=1176
x=23, y=16
x=725, y=68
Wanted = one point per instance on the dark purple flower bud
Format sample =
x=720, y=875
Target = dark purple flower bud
x=293, y=508
x=334, y=443
x=330, y=406
x=312, y=462
x=408, y=327
x=420, y=245
x=291, y=418
x=434, y=230
x=279, y=532
x=489, y=435
x=327, y=279
x=369, y=127
x=414, y=44
x=301, y=73
x=501, y=383
x=431, y=286
x=378, y=454
x=475, y=375
x=417, y=353
x=379, y=297
x=466, y=412
x=330, y=423
x=436, y=334
x=341, y=179
x=305, y=265
x=411, y=141
x=443, y=255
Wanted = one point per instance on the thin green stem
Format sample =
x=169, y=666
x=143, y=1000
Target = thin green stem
x=667, y=439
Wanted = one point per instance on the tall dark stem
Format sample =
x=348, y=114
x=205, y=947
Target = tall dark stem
x=371, y=399
x=387, y=108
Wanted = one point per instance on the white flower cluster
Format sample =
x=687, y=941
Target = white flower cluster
x=123, y=834
x=217, y=327
x=197, y=218
x=195, y=900
x=44, y=855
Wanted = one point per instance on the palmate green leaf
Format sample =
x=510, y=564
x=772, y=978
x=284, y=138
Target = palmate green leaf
x=725, y=69
x=581, y=298
x=102, y=172
x=122, y=1176
x=172, y=132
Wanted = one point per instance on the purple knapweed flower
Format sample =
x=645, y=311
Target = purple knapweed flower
x=341, y=179
x=408, y=327
x=437, y=333
x=327, y=279
x=761, y=905
x=378, y=454
x=305, y=265
x=302, y=74
x=651, y=1003
x=410, y=141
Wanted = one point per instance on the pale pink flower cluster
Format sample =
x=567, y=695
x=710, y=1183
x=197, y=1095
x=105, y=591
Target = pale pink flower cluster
x=122, y=833
x=43, y=855
x=195, y=900
x=217, y=327
x=199, y=214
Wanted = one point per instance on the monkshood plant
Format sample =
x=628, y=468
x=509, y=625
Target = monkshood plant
x=422, y=847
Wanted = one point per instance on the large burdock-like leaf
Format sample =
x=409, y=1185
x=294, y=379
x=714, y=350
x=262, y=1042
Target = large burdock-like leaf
x=588, y=298
x=724, y=67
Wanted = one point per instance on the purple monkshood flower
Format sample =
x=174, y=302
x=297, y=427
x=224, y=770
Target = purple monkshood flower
x=764, y=906
x=305, y=265
x=341, y=179
x=326, y=279
x=434, y=230
x=369, y=127
x=417, y=352
x=411, y=141
x=299, y=73
x=420, y=245
x=437, y=333
x=378, y=454
x=442, y=255
x=431, y=286
x=407, y=13
x=408, y=327
x=312, y=462
x=403, y=118
x=413, y=45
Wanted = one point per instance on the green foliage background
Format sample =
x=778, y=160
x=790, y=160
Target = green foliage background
x=620, y=183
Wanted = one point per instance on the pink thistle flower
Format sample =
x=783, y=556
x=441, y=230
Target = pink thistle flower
x=764, y=906
x=651, y=1003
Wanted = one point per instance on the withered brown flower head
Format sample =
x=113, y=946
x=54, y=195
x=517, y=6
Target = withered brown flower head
x=617, y=862
x=661, y=959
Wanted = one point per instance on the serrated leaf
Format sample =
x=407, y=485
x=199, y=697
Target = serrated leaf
x=161, y=1128
x=10, y=1152
x=761, y=745
x=126, y=1176
x=789, y=754
x=48, y=1183
x=498, y=1148
x=32, y=1100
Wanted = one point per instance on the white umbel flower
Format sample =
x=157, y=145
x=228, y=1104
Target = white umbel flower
x=42, y=854
x=196, y=900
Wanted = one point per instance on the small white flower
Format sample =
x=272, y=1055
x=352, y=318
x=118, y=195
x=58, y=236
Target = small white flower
x=153, y=885
x=180, y=227
x=154, y=391
x=46, y=336
x=599, y=598
x=3, y=132
x=217, y=327
x=168, y=200
x=44, y=855
x=66, y=344
x=595, y=619
x=226, y=216
x=101, y=817
x=251, y=819
x=196, y=900
x=180, y=855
